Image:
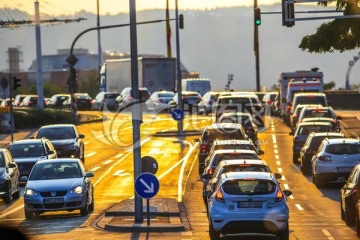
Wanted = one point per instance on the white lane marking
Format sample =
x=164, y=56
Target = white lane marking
x=276, y=156
x=195, y=122
x=299, y=207
x=275, y=146
x=274, y=138
x=272, y=129
x=155, y=151
x=110, y=168
x=286, y=186
x=327, y=234
x=90, y=154
x=108, y=161
x=164, y=130
x=280, y=169
x=276, y=151
x=119, y=155
x=10, y=212
x=291, y=197
x=86, y=143
x=283, y=178
x=203, y=121
x=121, y=173
x=94, y=169
x=278, y=162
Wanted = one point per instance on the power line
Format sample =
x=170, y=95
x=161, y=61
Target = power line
x=13, y=24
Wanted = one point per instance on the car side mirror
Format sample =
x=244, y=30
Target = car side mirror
x=81, y=136
x=287, y=193
x=89, y=175
x=23, y=179
x=277, y=175
x=12, y=165
x=260, y=152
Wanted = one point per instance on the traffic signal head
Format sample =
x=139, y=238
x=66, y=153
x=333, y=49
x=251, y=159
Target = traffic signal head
x=257, y=14
x=181, y=21
x=16, y=83
x=288, y=11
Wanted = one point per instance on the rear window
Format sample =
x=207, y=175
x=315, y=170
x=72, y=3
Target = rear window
x=226, y=156
x=82, y=96
x=245, y=168
x=306, y=130
x=166, y=95
x=249, y=187
x=311, y=99
x=235, y=146
x=27, y=150
x=317, y=113
x=339, y=149
x=242, y=101
x=111, y=95
x=223, y=134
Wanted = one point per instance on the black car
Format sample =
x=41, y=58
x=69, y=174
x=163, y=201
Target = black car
x=9, y=177
x=350, y=197
x=83, y=101
x=65, y=138
x=27, y=152
x=218, y=131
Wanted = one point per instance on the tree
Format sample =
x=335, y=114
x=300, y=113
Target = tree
x=337, y=35
x=329, y=86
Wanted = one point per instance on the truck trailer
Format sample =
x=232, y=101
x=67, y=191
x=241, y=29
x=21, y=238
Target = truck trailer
x=153, y=73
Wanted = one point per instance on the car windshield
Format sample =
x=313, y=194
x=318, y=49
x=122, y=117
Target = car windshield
x=236, y=155
x=58, y=170
x=249, y=187
x=57, y=133
x=27, y=150
x=343, y=148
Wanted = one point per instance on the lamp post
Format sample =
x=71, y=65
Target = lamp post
x=256, y=50
x=180, y=106
x=98, y=35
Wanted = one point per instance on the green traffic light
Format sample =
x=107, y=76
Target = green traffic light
x=258, y=22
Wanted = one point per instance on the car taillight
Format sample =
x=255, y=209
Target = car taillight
x=295, y=116
x=182, y=97
x=296, y=140
x=18, y=103
x=308, y=151
x=211, y=171
x=160, y=100
x=325, y=158
x=203, y=148
x=269, y=102
x=219, y=196
x=129, y=97
x=279, y=196
x=30, y=102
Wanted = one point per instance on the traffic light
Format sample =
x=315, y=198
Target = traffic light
x=181, y=21
x=290, y=13
x=16, y=83
x=257, y=14
x=72, y=83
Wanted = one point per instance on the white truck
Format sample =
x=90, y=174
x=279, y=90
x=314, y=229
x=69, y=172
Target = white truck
x=154, y=73
x=294, y=82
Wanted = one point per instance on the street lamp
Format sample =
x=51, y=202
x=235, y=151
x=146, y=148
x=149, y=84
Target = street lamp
x=180, y=122
x=98, y=35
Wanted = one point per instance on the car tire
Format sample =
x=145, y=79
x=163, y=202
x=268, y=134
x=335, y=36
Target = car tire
x=342, y=213
x=214, y=235
x=83, y=156
x=16, y=195
x=7, y=197
x=29, y=215
x=357, y=222
x=349, y=219
x=283, y=235
x=319, y=181
x=84, y=211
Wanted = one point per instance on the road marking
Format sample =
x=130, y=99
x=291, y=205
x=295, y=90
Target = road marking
x=276, y=151
x=291, y=197
x=272, y=129
x=108, y=161
x=283, y=178
x=90, y=154
x=86, y=143
x=155, y=151
x=119, y=155
x=286, y=186
x=280, y=169
x=326, y=232
x=358, y=117
x=10, y=212
x=299, y=207
x=276, y=156
x=275, y=146
x=274, y=138
x=94, y=169
x=278, y=162
x=203, y=121
x=121, y=173
x=164, y=130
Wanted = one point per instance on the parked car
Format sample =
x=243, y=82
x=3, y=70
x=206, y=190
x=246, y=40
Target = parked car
x=208, y=102
x=29, y=101
x=220, y=131
x=58, y=185
x=350, y=197
x=311, y=146
x=159, y=101
x=9, y=177
x=243, y=201
x=18, y=99
x=65, y=138
x=124, y=101
x=302, y=132
x=28, y=151
x=334, y=123
x=335, y=159
x=57, y=100
x=83, y=101
x=190, y=101
x=105, y=100
x=246, y=120
x=5, y=102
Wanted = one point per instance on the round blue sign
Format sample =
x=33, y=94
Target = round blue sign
x=147, y=185
x=177, y=114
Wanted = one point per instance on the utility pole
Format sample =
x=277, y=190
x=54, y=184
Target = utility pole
x=256, y=49
x=179, y=87
x=99, y=38
x=39, y=77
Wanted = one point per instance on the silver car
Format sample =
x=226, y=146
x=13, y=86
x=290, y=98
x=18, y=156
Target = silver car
x=334, y=160
x=57, y=185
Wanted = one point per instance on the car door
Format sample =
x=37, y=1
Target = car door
x=348, y=195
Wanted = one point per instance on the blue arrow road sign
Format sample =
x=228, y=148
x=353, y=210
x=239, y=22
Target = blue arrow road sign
x=147, y=185
x=177, y=114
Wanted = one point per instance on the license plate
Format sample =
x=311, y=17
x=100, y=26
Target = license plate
x=249, y=204
x=344, y=169
x=53, y=200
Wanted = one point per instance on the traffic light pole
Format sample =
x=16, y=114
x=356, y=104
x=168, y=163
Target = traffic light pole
x=11, y=107
x=256, y=50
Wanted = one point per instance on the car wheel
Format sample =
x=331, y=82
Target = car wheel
x=214, y=235
x=357, y=221
x=16, y=195
x=84, y=211
x=29, y=215
x=283, y=235
x=349, y=218
x=7, y=197
x=83, y=156
x=342, y=213
x=319, y=181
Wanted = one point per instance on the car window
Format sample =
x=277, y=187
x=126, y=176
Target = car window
x=343, y=148
x=57, y=133
x=166, y=95
x=2, y=159
x=111, y=95
x=245, y=168
x=249, y=187
x=226, y=156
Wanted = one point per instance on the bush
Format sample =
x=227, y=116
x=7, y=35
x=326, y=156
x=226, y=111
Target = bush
x=34, y=118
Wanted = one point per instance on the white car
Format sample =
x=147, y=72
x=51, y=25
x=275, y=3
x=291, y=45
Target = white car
x=335, y=159
x=248, y=202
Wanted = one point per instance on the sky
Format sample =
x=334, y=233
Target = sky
x=57, y=7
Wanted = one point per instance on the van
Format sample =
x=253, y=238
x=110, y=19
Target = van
x=309, y=98
x=200, y=85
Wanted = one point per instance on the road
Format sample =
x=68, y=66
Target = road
x=314, y=213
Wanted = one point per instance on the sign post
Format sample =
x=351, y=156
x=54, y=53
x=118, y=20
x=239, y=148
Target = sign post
x=147, y=186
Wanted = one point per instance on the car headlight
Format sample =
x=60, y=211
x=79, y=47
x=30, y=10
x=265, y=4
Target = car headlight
x=29, y=192
x=77, y=190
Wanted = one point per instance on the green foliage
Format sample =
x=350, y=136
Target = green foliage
x=337, y=35
x=329, y=86
x=34, y=118
x=354, y=86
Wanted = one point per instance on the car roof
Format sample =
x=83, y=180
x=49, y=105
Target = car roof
x=231, y=142
x=219, y=151
x=244, y=175
x=342, y=140
x=224, y=125
x=313, y=123
x=236, y=114
x=58, y=125
x=310, y=94
x=29, y=141
x=243, y=161
x=317, y=118
x=327, y=134
x=59, y=160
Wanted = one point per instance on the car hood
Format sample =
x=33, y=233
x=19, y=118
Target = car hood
x=63, y=142
x=29, y=159
x=54, y=184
